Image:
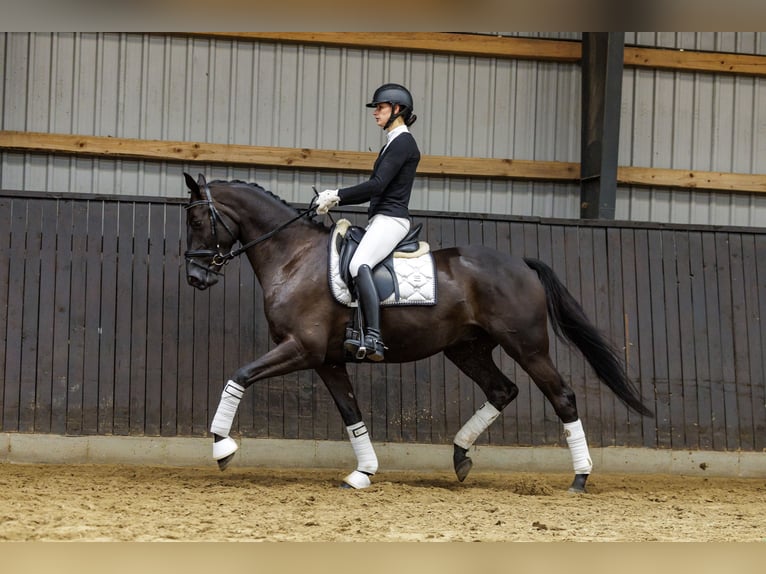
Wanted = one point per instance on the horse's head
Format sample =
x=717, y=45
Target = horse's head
x=208, y=236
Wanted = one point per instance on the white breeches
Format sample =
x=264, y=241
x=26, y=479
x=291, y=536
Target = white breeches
x=382, y=235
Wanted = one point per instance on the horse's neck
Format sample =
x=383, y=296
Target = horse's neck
x=279, y=256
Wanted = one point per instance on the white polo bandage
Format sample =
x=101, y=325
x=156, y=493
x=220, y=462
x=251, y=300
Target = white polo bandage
x=227, y=408
x=477, y=424
x=367, y=460
x=578, y=447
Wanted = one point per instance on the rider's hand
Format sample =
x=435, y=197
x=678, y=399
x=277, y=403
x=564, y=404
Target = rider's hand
x=326, y=200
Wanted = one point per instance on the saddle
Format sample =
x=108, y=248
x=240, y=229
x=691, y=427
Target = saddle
x=383, y=274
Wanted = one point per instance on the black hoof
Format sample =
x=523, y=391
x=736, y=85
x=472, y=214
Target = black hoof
x=224, y=462
x=346, y=486
x=463, y=468
x=578, y=484
x=461, y=462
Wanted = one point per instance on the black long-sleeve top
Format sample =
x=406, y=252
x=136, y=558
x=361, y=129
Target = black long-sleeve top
x=389, y=188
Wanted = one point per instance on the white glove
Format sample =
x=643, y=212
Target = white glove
x=326, y=200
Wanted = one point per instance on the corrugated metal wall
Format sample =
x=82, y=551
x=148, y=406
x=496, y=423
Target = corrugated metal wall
x=260, y=93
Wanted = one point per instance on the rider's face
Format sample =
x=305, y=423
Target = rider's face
x=381, y=113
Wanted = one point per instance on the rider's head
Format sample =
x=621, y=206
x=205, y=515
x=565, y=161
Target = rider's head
x=395, y=95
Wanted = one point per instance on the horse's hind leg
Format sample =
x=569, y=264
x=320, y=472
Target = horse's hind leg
x=474, y=358
x=562, y=397
x=338, y=383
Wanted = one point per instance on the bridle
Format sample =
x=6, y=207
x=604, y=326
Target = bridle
x=218, y=257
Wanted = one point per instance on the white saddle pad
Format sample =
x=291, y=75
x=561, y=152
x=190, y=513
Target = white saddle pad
x=415, y=272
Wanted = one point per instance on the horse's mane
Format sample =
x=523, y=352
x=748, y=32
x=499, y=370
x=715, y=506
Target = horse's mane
x=257, y=188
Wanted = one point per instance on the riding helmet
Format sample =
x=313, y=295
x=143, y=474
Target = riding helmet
x=395, y=94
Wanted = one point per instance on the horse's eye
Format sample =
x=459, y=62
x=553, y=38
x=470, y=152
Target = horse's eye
x=196, y=224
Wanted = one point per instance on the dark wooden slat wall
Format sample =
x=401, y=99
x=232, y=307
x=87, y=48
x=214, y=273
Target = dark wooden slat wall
x=100, y=333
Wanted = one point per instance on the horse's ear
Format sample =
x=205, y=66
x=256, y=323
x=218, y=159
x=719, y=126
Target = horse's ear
x=201, y=181
x=191, y=184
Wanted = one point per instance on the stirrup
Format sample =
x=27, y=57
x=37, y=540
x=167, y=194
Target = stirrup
x=373, y=348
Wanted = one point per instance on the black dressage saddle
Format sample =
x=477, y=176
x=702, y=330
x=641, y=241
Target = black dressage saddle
x=383, y=274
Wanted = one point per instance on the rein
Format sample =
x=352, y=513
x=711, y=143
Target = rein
x=221, y=259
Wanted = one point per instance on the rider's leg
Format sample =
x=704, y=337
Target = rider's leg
x=381, y=237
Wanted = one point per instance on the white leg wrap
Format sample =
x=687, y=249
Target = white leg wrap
x=367, y=460
x=227, y=408
x=578, y=447
x=477, y=424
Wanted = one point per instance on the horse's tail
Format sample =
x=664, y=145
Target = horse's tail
x=570, y=323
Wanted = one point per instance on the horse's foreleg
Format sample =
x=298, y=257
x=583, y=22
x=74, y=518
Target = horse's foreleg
x=284, y=358
x=338, y=383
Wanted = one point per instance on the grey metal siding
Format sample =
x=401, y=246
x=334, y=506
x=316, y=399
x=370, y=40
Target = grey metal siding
x=261, y=93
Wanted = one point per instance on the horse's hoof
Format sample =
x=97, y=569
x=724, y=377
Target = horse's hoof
x=462, y=468
x=224, y=462
x=578, y=484
x=460, y=462
x=357, y=480
x=223, y=450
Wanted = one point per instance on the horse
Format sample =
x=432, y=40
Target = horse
x=486, y=299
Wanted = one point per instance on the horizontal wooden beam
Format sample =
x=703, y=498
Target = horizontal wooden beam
x=491, y=46
x=261, y=156
x=336, y=160
x=437, y=43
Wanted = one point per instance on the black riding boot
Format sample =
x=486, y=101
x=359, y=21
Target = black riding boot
x=370, y=305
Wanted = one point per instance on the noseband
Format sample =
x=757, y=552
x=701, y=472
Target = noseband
x=219, y=259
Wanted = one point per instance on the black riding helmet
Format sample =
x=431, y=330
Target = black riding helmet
x=395, y=94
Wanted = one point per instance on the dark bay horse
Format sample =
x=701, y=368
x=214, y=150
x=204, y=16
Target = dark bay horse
x=485, y=299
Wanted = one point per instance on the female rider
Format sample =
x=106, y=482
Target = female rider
x=388, y=191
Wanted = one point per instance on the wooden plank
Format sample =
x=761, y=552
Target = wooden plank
x=610, y=318
x=108, y=317
x=659, y=338
x=29, y=315
x=44, y=375
x=714, y=319
x=645, y=347
x=340, y=160
x=155, y=301
x=490, y=46
x=409, y=401
x=728, y=328
x=171, y=382
x=751, y=405
x=423, y=409
x=588, y=296
x=77, y=299
x=5, y=259
x=634, y=431
x=14, y=316
x=742, y=407
x=139, y=319
x=695, y=61
x=93, y=327
x=123, y=320
x=62, y=299
x=504, y=432
x=391, y=374
x=684, y=394
x=759, y=390
x=483, y=45
x=700, y=388
x=187, y=318
x=673, y=334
